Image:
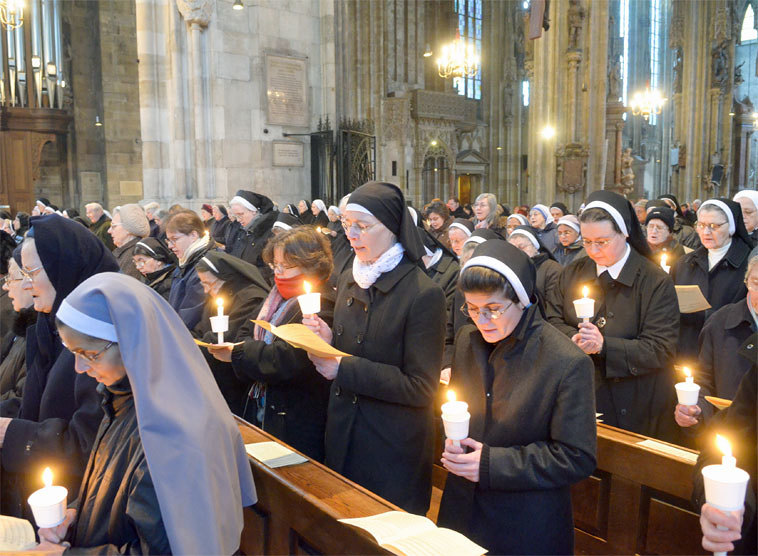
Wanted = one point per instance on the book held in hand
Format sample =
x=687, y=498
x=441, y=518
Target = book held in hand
x=16, y=534
x=414, y=535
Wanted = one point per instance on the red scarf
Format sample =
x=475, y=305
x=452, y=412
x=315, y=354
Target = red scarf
x=290, y=287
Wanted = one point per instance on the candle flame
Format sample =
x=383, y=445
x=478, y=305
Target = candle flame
x=585, y=291
x=47, y=477
x=687, y=372
x=723, y=445
x=451, y=395
x=307, y=286
x=219, y=302
x=318, y=229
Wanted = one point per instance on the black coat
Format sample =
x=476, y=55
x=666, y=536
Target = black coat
x=548, y=273
x=445, y=275
x=124, y=254
x=248, y=244
x=297, y=396
x=161, y=280
x=117, y=508
x=455, y=320
x=342, y=255
x=721, y=367
x=219, y=229
x=722, y=285
x=531, y=404
x=13, y=363
x=380, y=425
x=634, y=376
x=186, y=295
x=566, y=255
x=549, y=236
x=686, y=234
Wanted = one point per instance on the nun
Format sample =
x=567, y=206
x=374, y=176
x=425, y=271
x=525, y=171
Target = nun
x=220, y=223
x=532, y=432
x=242, y=290
x=548, y=269
x=390, y=317
x=458, y=232
x=60, y=410
x=247, y=237
x=304, y=211
x=718, y=267
x=632, y=336
x=320, y=218
x=289, y=208
x=440, y=264
x=558, y=210
x=570, y=244
x=342, y=251
x=514, y=221
x=284, y=222
x=334, y=219
x=541, y=220
x=168, y=472
x=748, y=200
x=156, y=263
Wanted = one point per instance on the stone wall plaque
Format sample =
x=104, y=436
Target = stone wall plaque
x=92, y=188
x=289, y=153
x=286, y=91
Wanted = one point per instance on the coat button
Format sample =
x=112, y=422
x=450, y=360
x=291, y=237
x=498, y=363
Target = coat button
x=339, y=329
x=349, y=301
x=623, y=412
x=337, y=391
x=634, y=370
x=355, y=398
x=750, y=346
x=365, y=308
x=359, y=339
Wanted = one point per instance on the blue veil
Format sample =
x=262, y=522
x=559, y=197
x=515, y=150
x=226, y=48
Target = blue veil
x=194, y=450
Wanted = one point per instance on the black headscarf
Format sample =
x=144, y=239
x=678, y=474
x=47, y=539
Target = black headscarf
x=235, y=272
x=7, y=245
x=289, y=220
x=155, y=249
x=432, y=243
x=561, y=207
x=740, y=232
x=657, y=203
x=222, y=210
x=292, y=209
x=462, y=224
x=531, y=233
x=307, y=217
x=23, y=219
x=624, y=209
x=387, y=203
x=670, y=197
x=511, y=263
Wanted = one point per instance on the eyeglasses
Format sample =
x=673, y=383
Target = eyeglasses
x=9, y=280
x=30, y=274
x=90, y=358
x=600, y=244
x=487, y=313
x=172, y=241
x=712, y=227
x=654, y=228
x=280, y=268
x=362, y=229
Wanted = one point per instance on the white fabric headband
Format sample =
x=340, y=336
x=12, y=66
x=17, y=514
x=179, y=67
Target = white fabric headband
x=527, y=235
x=355, y=207
x=520, y=217
x=210, y=264
x=336, y=210
x=543, y=209
x=237, y=200
x=570, y=223
x=723, y=206
x=86, y=324
x=461, y=227
x=281, y=225
x=475, y=239
x=414, y=215
x=747, y=194
x=146, y=246
x=320, y=205
x=505, y=271
x=616, y=215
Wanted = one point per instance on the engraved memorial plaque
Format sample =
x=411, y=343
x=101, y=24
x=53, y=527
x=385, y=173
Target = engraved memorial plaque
x=286, y=91
x=288, y=153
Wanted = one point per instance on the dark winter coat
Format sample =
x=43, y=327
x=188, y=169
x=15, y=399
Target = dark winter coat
x=380, y=425
x=7, y=314
x=161, y=280
x=455, y=320
x=445, y=275
x=13, y=363
x=531, y=404
x=100, y=229
x=219, y=229
x=722, y=285
x=686, y=234
x=672, y=249
x=548, y=272
x=117, y=508
x=297, y=396
x=248, y=244
x=549, y=236
x=187, y=296
x=124, y=254
x=637, y=315
x=342, y=255
x=566, y=255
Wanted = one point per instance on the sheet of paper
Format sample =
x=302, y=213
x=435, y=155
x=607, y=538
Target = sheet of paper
x=436, y=542
x=691, y=299
x=390, y=526
x=206, y=344
x=274, y=454
x=666, y=449
x=720, y=403
x=300, y=336
x=16, y=534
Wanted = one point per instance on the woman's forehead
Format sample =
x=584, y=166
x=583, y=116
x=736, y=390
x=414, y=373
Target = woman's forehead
x=357, y=216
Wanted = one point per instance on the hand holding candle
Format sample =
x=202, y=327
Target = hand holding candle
x=49, y=503
x=455, y=418
x=220, y=323
x=585, y=307
x=687, y=392
x=310, y=303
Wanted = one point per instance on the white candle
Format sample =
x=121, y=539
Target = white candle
x=687, y=392
x=585, y=307
x=49, y=503
x=310, y=303
x=220, y=323
x=220, y=305
x=664, y=266
x=455, y=418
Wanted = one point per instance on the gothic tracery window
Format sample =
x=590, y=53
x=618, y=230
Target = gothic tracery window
x=749, y=32
x=470, y=28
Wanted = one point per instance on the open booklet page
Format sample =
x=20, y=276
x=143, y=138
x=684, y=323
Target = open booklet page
x=16, y=534
x=300, y=336
x=691, y=299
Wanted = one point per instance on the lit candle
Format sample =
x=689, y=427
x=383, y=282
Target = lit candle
x=310, y=303
x=725, y=484
x=687, y=392
x=220, y=305
x=664, y=266
x=455, y=418
x=48, y=503
x=585, y=307
x=220, y=323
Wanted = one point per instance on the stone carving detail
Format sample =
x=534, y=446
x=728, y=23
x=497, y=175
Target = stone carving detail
x=571, y=167
x=576, y=22
x=395, y=119
x=720, y=65
x=678, y=69
x=447, y=106
x=738, y=79
x=508, y=92
x=196, y=11
x=614, y=81
x=627, y=174
x=676, y=25
x=39, y=140
x=428, y=130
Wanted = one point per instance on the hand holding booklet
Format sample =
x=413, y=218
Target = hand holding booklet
x=413, y=535
x=300, y=336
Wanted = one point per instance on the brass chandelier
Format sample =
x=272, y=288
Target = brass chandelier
x=647, y=103
x=12, y=13
x=458, y=59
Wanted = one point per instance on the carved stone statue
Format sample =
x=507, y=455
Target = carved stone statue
x=738, y=79
x=720, y=64
x=576, y=22
x=678, y=69
x=614, y=81
x=627, y=174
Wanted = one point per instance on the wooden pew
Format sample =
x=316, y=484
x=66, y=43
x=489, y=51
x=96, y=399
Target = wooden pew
x=298, y=508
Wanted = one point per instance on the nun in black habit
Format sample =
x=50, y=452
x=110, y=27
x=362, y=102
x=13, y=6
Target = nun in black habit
x=390, y=317
x=242, y=288
x=60, y=409
x=532, y=432
x=156, y=263
x=632, y=337
x=548, y=269
x=440, y=264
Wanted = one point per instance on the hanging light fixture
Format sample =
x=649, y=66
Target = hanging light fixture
x=458, y=59
x=98, y=123
x=237, y=5
x=12, y=13
x=428, y=51
x=646, y=103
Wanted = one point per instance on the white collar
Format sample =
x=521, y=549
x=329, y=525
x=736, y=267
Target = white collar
x=715, y=255
x=435, y=258
x=615, y=269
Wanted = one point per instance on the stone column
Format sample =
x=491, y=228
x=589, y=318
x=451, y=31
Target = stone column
x=574, y=58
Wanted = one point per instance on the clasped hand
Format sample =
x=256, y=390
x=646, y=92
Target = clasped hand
x=686, y=415
x=455, y=460
x=589, y=339
x=326, y=366
x=715, y=539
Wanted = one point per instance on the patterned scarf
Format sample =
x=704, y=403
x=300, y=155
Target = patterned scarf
x=365, y=274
